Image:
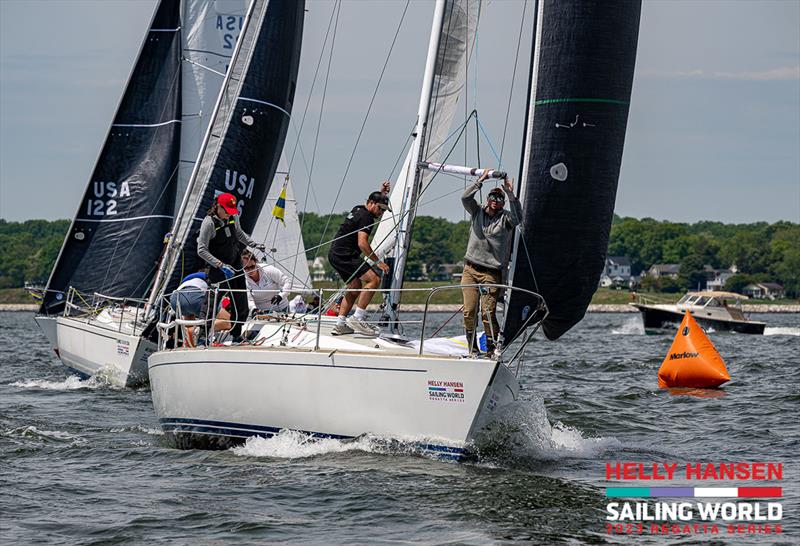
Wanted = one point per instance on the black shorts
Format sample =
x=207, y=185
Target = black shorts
x=348, y=267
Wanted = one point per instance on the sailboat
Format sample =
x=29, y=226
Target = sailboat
x=115, y=238
x=296, y=376
x=113, y=338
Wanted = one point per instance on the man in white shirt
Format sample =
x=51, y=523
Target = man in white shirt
x=267, y=287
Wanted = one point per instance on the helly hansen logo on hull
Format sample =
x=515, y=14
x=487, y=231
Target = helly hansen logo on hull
x=684, y=354
x=449, y=391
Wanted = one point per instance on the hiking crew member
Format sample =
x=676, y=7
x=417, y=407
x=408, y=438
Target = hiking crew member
x=219, y=245
x=487, y=253
x=356, y=271
x=267, y=287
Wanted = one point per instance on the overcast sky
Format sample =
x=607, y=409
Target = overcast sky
x=713, y=133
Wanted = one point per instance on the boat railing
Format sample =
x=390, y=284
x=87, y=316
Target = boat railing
x=175, y=330
x=86, y=307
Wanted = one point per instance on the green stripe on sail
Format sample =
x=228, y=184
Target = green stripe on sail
x=560, y=101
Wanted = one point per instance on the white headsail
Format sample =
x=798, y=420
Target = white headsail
x=284, y=240
x=210, y=31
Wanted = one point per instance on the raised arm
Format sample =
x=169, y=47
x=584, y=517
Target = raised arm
x=468, y=198
x=515, y=218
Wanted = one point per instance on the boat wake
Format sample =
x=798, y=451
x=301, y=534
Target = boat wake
x=631, y=327
x=71, y=383
x=291, y=444
x=523, y=432
x=781, y=331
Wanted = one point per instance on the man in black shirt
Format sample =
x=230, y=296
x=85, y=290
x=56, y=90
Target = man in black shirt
x=345, y=256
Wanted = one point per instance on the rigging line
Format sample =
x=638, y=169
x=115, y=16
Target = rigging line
x=511, y=87
x=488, y=140
x=319, y=123
x=313, y=84
x=366, y=116
x=203, y=66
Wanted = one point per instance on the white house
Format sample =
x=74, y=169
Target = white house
x=617, y=271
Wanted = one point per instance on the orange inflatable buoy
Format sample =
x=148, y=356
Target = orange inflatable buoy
x=692, y=360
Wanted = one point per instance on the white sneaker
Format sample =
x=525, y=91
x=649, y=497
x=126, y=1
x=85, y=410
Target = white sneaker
x=341, y=330
x=363, y=327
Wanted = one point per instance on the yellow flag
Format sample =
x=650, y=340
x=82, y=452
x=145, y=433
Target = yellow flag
x=279, y=209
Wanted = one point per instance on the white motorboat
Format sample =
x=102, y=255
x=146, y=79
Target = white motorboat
x=711, y=309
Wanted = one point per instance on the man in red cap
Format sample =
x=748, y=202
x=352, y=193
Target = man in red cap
x=218, y=244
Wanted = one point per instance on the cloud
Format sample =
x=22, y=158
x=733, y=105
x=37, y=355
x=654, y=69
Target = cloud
x=785, y=73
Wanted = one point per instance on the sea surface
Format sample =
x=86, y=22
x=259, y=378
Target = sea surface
x=85, y=463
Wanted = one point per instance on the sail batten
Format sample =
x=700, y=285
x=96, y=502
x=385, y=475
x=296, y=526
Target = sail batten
x=580, y=89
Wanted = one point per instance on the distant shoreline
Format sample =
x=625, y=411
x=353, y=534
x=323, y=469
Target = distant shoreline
x=452, y=308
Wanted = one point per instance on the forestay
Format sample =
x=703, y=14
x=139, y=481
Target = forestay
x=248, y=129
x=116, y=236
x=581, y=77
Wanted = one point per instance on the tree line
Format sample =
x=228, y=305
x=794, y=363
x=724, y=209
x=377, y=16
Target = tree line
x=760, y=251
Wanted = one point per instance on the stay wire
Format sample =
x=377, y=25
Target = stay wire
x=366, y=117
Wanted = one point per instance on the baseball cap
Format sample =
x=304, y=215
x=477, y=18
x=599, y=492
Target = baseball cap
x=228, y=202
x=381, y=199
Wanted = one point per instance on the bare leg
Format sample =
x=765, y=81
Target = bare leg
x=370, y=281
x=349, y=297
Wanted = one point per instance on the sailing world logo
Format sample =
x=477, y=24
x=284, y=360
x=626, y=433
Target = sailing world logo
x=447, y=391
x=700, y=509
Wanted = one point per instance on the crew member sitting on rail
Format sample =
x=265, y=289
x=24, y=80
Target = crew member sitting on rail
x=356, y=271
x=267, y=287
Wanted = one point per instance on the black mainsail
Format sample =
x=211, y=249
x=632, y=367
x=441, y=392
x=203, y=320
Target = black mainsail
x=581, y=77
x=246, y=134
x=116, y=236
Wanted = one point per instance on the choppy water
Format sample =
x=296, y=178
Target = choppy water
x=86, y=463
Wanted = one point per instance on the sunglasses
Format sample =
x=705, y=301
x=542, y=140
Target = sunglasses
x=498, y=198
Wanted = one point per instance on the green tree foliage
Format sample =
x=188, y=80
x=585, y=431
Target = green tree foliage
x=28, y=250
x=761, y=251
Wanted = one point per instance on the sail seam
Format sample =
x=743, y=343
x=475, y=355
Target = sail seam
x=146, y=124
x=560, y=101
x=125, y=219
x=165, y=29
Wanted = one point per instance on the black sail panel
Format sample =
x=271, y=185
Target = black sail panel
x=117, y=235
x=250, y=125
x=578, y=111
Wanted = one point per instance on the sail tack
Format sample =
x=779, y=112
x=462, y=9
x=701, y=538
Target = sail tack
x=116, y=237
x=581, y=78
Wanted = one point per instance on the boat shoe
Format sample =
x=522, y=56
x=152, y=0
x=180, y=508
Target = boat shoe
x=363, y=327
x=341, y=330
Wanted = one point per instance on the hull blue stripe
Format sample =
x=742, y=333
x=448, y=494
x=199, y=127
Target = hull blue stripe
x=241, y=430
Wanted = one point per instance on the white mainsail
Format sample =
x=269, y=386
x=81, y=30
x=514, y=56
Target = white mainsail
x=210, y=31
x=459, y=27
x=284, y=239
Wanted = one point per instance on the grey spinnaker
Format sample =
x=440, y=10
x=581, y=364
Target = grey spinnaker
x=115, y=240
x=581, y=77
x=247, y=133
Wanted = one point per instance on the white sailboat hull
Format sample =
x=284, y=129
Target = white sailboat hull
x=219, y=397
x=48, y=327
x=91, y=349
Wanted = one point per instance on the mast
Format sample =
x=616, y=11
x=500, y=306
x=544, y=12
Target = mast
x=408, y=210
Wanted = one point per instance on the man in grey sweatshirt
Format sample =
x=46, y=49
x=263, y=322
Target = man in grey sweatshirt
x=490, y=235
